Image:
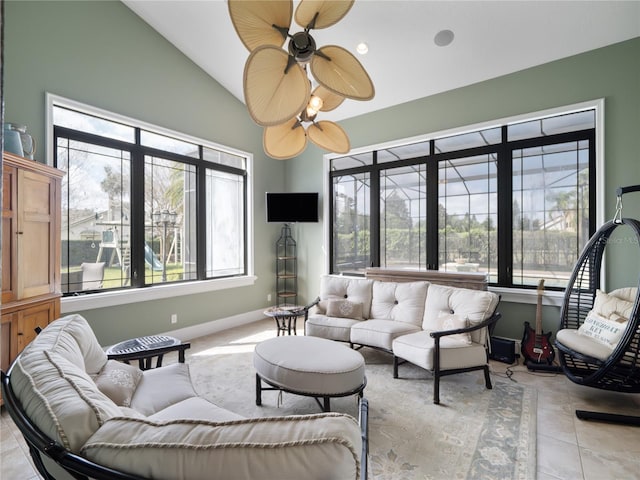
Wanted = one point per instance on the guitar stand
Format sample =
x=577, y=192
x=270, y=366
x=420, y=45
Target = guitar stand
x=543, y=367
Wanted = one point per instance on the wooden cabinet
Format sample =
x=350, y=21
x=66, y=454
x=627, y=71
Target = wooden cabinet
x=30, y=252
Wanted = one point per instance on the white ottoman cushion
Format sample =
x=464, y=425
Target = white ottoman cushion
x=309, y=365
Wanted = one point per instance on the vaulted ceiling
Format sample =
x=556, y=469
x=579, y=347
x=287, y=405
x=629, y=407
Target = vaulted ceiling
x=491, y=38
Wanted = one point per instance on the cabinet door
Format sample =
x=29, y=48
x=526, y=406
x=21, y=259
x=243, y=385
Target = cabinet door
x=36, y=234
x=29, y=318
x=6, y=338
x=9, y=244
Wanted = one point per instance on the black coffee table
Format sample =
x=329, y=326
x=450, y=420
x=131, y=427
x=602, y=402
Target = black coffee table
x=145, y=348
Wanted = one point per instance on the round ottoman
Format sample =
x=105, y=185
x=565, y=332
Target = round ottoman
x=309, y=366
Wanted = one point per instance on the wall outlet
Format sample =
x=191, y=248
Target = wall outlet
x=174, y=318
x=268, y=297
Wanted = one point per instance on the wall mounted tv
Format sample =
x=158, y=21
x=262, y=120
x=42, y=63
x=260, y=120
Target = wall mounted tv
x=292, y=207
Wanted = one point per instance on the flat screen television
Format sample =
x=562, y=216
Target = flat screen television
x=292, y=207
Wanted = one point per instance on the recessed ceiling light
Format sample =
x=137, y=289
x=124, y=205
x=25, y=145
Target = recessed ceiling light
x=443, y=38
x=362, y=48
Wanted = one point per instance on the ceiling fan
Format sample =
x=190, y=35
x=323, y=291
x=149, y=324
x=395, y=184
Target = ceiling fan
x=277, y=88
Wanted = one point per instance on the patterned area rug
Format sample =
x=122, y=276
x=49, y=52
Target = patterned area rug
x=474, y=433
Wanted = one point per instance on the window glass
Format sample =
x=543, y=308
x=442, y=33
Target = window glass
x=351, y=223
x=225, y=219
x=90, y=124
x=542, y=127
x=95, y=227
x=167, y=205
x=550, y=211
x=168, y=144
x=223, y=158
x=480, y=138
x=352, y=161
x=468, y=214
x=403, y=217
x=402, y=152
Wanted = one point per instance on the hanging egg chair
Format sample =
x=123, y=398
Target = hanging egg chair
x=598, y=341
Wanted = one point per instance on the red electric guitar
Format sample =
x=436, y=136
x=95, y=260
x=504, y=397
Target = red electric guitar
x=536, y=347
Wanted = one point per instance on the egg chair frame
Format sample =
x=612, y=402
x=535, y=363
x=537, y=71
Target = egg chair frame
x=620, y=371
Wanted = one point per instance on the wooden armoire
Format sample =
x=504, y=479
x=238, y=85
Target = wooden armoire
x=30, y=252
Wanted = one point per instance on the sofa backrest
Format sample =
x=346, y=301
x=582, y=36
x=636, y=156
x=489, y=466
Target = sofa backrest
x=52, y=380
x=474, y=305
x=402, y=302
x=356, y=290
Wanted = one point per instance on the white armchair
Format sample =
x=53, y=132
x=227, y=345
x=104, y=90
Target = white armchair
x=454, y=336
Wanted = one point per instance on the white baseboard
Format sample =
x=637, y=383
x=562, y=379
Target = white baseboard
x=189, y=333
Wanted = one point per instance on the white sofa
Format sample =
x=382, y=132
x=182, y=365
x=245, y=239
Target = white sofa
x=440, y=328
x=152, y=424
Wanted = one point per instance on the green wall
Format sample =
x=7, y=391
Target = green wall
x=102, y=54
x=612, y=73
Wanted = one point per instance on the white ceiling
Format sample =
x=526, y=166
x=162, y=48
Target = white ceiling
x=492, y=38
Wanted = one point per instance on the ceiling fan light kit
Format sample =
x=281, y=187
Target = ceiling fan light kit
x=277, y=87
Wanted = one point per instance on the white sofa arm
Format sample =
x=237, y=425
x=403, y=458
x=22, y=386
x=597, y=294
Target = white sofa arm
x=312, y=447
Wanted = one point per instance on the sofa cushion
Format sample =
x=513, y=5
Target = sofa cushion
x=379, y=333
x=344, y=309
x=162, y=387
x=51, y=379
x=356, y=290
x=195, y=408
x=402, y=302
x=59, y=397
x=572, y=339
x=287, y=448
x=452, y=321
x=418, y=348
x=474, y=305
x=118, y=381
x=602, y=329
x=606, y=305
x=332, y=328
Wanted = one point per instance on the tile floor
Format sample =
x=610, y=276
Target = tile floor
x=568, y=448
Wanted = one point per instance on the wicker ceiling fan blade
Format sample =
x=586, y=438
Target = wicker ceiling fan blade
x=342, y=74
x=254, y=20
x=284, y=141
x=330, y=100
x=273, y=93
x=329, y=136
x=329, y=12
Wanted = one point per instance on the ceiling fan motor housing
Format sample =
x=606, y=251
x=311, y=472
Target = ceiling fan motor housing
x=302, y=46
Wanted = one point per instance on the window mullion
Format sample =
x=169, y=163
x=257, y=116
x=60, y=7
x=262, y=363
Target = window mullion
x=432, y=211
x=138, y=220
x=505, y=213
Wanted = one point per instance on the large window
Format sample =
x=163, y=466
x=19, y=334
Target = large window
x=514, y=201
x=144, y=207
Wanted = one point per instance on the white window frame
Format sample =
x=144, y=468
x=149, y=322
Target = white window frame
x=156, y=292
x=516, y=295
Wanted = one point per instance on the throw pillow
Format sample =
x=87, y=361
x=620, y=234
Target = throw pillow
x=118, y=381
x=606, y=331
x=605, y=305
x=344, y=309
x=451, y=321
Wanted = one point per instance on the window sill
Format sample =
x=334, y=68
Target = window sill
x=523, y=295
x=123, y=297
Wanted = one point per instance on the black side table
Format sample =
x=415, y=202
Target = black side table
x=144, y=349
x=285, y=317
